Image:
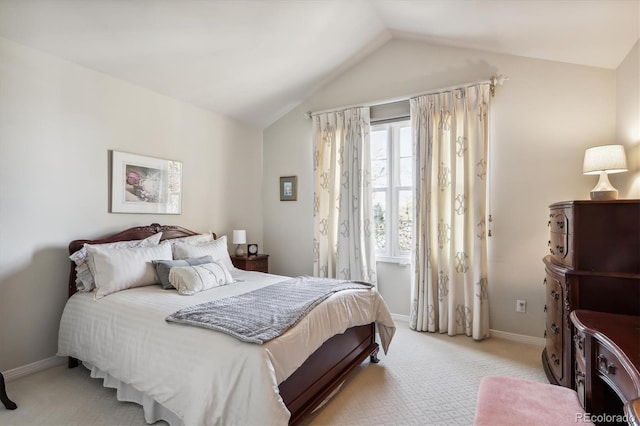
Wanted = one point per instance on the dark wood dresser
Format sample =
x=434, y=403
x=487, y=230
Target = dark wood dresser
x=594, y=264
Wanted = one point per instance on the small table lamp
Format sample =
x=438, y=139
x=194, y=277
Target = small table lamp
x=239, y=237
x=604, y=160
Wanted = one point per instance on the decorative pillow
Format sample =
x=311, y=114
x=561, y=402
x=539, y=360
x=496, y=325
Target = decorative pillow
x=193, y=239
x=164, y=266
x=122, y=268
x=216, y=249
x=84, y=275
x=189, y=280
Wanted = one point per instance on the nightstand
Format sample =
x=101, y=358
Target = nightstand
x=259, y=262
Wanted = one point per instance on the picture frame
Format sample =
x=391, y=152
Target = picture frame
x=142, y=184
x=288, y=188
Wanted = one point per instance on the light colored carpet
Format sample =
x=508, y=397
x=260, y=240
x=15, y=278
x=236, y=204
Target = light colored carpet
x=427, y=379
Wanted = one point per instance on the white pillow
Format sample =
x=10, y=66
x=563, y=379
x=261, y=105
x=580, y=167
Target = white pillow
x=216, y=249
x=122, y=268
x=189, y=280
x=192, y=239
x=84, y=275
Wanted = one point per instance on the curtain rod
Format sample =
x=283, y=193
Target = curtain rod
x=495, y=80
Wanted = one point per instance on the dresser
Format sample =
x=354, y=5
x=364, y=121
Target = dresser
x=594, y=264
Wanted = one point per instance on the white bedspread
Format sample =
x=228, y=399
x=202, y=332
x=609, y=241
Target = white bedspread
x=203, y=376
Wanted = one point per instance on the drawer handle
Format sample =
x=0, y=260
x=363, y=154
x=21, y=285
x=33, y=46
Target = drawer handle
x=559, y=250
x=545, y=308
x=605, y=366
x=554, y=328
x=560, y=224
x=545, y=333
x=555, y=295
x=555, y=359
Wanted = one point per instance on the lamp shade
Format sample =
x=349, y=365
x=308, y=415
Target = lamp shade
x=605, y=158
x=239, y=236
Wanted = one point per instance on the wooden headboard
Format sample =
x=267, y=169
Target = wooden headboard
x=136, y=233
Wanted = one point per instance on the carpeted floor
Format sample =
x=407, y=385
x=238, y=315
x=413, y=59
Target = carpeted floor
x=426, y=379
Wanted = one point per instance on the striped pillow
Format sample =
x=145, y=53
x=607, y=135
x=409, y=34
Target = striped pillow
x=84, y=274
x=120, y=269
x=217, y=249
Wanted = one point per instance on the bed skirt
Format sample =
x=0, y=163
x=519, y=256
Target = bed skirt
x=153, y=410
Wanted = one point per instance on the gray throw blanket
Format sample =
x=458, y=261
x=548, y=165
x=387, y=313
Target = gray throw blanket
x=261, y=315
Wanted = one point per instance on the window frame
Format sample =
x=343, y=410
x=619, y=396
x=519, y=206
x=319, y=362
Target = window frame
x=392, y=252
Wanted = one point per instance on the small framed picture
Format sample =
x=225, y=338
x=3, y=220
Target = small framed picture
x=288, y=188
x=142, y=184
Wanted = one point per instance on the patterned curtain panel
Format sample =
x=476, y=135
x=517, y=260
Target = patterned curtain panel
x=343, y=213
x=449, y=290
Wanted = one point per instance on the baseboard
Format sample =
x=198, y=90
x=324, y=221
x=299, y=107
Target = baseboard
x=34, y=367
x=398, y=317
x=521, y=338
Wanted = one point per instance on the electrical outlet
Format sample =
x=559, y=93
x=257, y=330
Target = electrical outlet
x=521, y=305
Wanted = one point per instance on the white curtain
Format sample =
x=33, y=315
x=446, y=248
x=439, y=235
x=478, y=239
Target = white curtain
x=449, y=290
x=343, y=213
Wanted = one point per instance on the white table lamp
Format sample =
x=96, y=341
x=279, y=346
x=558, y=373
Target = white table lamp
x=603, y=160
x=239, y=237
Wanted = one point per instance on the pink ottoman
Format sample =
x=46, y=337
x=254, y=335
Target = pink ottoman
x=512, y=401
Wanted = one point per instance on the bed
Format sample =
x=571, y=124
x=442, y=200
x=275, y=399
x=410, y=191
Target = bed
x=190, y=375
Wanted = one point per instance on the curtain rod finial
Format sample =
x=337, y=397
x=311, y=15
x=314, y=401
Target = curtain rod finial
x=307, y=115
x=497, y=80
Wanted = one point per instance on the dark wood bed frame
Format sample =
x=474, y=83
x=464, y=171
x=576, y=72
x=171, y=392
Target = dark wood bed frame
x=316, y=378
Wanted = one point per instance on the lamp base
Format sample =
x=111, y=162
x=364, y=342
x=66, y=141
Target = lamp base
x=240, y=250
x=604, y=195
x=603, y=189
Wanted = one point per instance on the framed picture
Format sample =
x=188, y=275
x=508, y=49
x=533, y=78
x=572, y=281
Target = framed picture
x=141, y=184
x=288, y=188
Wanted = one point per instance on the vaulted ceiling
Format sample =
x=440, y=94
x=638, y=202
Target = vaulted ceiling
x=254, y=60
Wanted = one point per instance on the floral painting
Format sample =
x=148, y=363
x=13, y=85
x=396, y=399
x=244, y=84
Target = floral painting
x=141, y=184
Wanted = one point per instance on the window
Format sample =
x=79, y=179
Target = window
x=392, y=182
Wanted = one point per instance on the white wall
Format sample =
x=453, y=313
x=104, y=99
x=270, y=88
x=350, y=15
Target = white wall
x=628, y=122
x=543, y=119
x=57, y=123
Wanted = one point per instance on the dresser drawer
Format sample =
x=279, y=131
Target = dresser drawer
x=611, y=370
x=554, y=332
x=554, y=355
x=559, y=220
x=560, y=248
x=260, y=265
x=554, y=299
